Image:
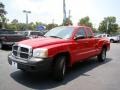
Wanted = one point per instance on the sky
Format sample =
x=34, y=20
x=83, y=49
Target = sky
x=47, y=11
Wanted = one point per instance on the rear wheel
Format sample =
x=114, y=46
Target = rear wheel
x=102, y=55
x=112, y=41
x=59, y=68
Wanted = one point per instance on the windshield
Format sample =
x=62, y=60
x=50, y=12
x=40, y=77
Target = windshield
x=23, y=33
x=60, y=32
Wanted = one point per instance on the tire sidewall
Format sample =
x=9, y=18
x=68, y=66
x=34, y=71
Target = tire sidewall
x=112, y=41
x=0, y=45
x=102, y=55
x=59, y=68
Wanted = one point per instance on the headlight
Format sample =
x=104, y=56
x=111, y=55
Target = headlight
x=40, y=53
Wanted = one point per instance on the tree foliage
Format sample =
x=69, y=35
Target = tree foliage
x=50, y=26
x=67, y=22
x=15, y=25
x=15, y=21
x=118, y=30
x=108, y=25
x=85, y=22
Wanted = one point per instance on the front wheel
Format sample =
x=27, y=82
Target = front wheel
x=102, y=55
x=1, y=45
x=59, y=68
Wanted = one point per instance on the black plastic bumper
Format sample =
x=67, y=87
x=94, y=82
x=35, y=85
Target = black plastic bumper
x=31, y=65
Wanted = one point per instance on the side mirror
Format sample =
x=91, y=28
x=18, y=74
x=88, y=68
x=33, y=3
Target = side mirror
x=79, y=37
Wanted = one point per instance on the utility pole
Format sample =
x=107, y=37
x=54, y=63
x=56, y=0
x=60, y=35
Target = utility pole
x=52, y=21
x=64, y=12
x=70, y=23
x=69, y=14
x=26, y=12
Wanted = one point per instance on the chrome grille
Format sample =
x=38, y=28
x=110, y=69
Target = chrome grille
x=24, y=55
x=22, y=51
x=26, y=50
x=15, y=47
x=15, y=53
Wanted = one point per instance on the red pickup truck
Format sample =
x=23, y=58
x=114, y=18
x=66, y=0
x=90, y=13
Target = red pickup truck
x=60, y=48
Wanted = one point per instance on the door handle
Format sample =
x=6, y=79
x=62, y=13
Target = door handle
x=85, y=44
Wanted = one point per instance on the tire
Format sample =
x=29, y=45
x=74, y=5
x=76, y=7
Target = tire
x=1, y=45
x=102, y=56
x=59, y=68
x=25, y=71
x=112, y=41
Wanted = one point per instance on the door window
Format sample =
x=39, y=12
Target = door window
x=81, y=32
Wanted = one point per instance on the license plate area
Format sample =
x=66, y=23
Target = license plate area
x=14, y=64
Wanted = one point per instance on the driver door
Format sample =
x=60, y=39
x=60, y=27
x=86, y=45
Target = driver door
x=81, y=45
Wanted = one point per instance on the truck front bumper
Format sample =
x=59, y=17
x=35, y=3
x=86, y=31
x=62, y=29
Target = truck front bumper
x=31, y=65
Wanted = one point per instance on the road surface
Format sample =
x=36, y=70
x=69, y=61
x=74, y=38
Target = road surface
x=89, y=75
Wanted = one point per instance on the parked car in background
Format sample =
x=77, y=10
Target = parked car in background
x=31, y=34
x=9, y=37
x=44, y=31
x=112, y=39
x=118, y=37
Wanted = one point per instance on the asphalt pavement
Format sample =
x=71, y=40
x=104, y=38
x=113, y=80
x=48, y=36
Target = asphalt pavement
x=90, y=75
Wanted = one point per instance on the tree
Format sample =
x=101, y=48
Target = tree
x=118, y=30
x=2, y=15
x=31, y=26
x=108, y=25
x=14, y=25
x=50, y=26
x=94, y=30
x=15, y=21
x=22, y=26
x=67, y=22
x=11, y=26
x=85, y=22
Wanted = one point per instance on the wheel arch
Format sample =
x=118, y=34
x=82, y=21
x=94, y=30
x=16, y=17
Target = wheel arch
x=66, y=54
x=112, y=40
x=0, y=40
x=104, y=46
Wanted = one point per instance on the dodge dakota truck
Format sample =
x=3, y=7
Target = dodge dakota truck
x=59, y=49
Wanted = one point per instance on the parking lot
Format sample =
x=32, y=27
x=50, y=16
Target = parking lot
x=89, y=75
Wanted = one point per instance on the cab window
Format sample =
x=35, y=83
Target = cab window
x=89, y=33
x=81, y=32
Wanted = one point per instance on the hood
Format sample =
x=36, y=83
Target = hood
x=42, y=42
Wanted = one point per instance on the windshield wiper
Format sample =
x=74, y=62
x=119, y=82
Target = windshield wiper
x=55, y=37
